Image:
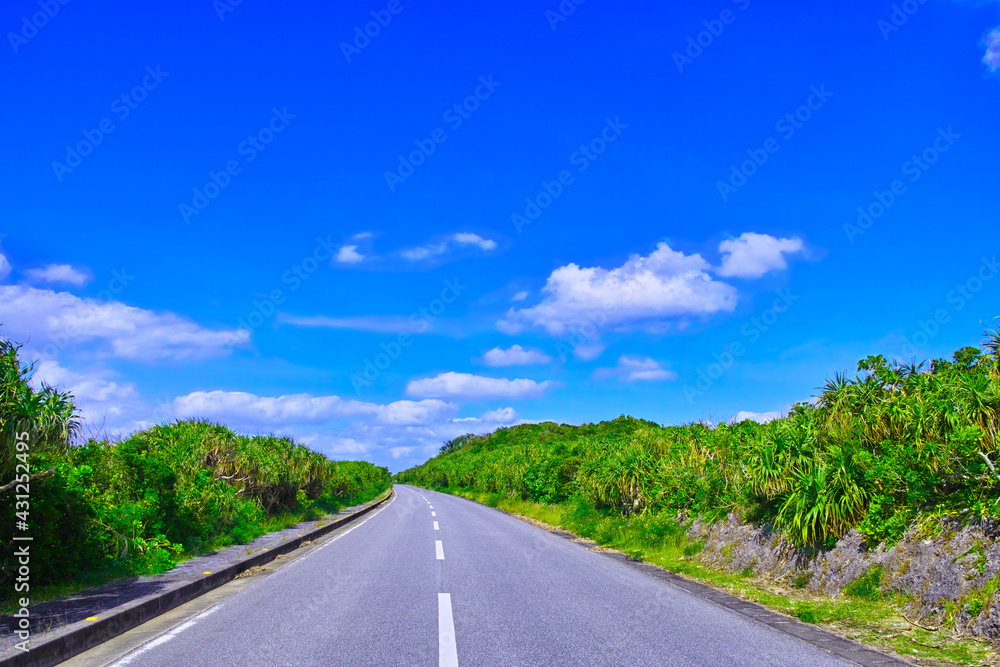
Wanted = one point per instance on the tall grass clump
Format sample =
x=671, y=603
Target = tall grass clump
x=873, y=452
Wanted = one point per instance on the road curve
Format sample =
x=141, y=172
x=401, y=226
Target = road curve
x=431, y=579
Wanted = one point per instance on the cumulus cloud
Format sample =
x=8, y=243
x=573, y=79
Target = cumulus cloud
x=665, y=284
x=759, y=417
x=992, y=56
x=589, y=351
x=752, y=255
x=500, y=416
x=108, y=406
x=237, y=407
x=401, y=433
x=632, y=369
x=54, y=320
x=397, y=452
x=515, y=355
x=476, y=387
x=58, y=273
x=349, y=254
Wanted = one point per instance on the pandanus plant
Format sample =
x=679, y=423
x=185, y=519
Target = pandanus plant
x=48, y=416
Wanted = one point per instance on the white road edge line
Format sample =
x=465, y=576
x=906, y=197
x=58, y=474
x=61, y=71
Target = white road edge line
x=163, y=639
x=447, y=649
x=439, y=549
x=436, y=526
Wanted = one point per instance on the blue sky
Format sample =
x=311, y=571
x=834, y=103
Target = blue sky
x=477, y=215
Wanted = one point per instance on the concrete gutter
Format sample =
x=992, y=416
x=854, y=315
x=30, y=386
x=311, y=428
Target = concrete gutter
x=75, y=638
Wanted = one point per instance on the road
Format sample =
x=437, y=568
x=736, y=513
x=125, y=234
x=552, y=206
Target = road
x=431, y=579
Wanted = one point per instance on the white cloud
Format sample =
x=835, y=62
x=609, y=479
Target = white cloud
x=632, y=369
x=500, y=416
x=5, y=267
x=58, y=273
x=397, y=452
x=404, y=432
x=434, y=249
x=520, y=296
x=759, y=417
x=992, y=56
x=241, y=408
x=589, y=351
x=362, y=235
x=666, y=284
x=377, y=323
x=423, y=252
x=476, y=387
x=752, y=255
x=515, y=355
x=54, y=320
x=476, y=239
x=349, y=254
x=108, y=406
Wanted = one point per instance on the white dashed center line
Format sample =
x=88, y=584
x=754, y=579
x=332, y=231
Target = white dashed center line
x=447, y=650
x=436, y=526
x=434, y=513
x=439, y=549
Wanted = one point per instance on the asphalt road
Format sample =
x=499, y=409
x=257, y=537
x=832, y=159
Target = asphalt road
x=475, y=588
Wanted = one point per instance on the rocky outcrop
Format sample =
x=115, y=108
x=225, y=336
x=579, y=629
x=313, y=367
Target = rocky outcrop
x=947, y=568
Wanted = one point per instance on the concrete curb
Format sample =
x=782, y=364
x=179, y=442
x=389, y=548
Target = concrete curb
x=76, y=638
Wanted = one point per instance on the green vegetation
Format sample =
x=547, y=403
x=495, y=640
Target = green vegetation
x=113, y=509
x=874, y=452
x=892, y=447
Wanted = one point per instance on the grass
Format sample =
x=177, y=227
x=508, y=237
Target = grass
x=863, y=614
